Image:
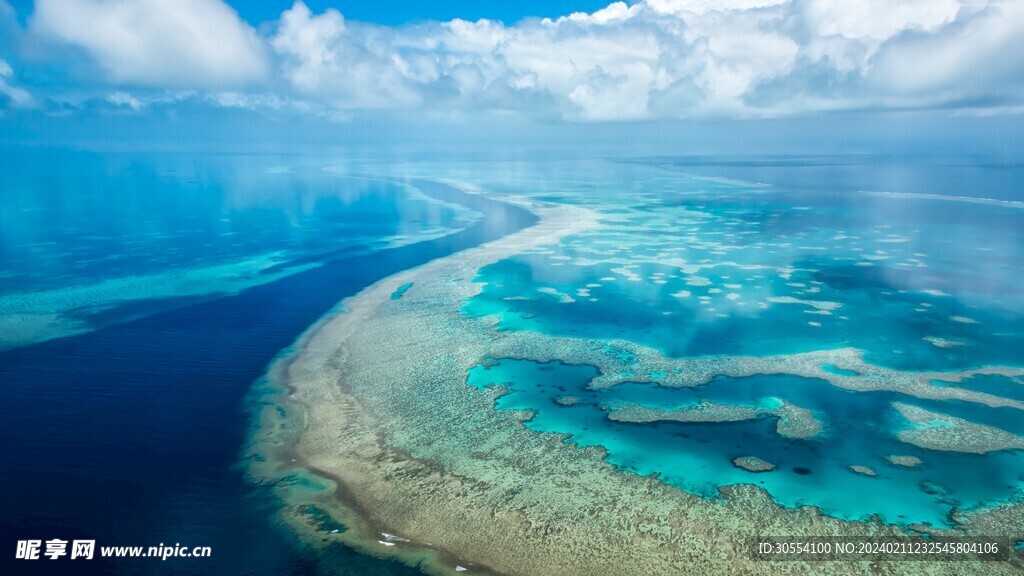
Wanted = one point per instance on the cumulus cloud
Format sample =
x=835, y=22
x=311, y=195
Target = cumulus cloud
x=975, y=58
x=878, y=20
x=165, y=43
x=322, y=58
x=665, y=58
x=648, y=59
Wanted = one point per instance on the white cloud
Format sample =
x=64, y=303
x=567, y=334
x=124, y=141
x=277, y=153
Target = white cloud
x=679, y=58
x=976, y=58
x=322, y=58
x=604, y=73
x=878, y=19
x=166, y=43
x=614, y=12
x=650, y=59
x=703, y=7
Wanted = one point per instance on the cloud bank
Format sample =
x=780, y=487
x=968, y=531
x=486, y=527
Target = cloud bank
x=651, y=59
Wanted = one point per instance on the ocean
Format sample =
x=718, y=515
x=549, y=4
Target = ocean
x=142, y=296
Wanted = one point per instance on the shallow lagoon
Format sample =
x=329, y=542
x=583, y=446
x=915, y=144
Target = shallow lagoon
x=859, y=429
x=918, y=284
x=696, y=266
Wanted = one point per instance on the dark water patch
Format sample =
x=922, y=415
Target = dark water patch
x=401, y=290
x=132, y=309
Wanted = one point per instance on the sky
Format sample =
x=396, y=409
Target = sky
x=397, y=12
x=561, y=61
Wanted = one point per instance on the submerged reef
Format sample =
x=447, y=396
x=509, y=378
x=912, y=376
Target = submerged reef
x=568, y=400
x=861, y=469
x=703, y=412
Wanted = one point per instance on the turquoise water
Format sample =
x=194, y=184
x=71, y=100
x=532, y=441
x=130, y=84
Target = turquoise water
x=700, y=266
x=859, y=429
x=918, y=284
x=401, y=290
x=141, y=295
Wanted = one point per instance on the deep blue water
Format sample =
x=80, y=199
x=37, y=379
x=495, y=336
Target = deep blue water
x=184, y=276
x=130, y=434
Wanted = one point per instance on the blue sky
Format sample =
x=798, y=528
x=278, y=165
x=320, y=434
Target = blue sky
x=393, y=12
x=578, y=62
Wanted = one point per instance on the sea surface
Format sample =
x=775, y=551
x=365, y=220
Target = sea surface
x=696, y=265
x=129, y=432
x=142, y=295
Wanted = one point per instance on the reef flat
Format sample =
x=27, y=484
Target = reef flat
x=908, y=461
x=703, y=412
x=793, y=421
x=854, y=373
x=753, y=464
x=397, y=445
x=861, y=469
x=935, y=431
